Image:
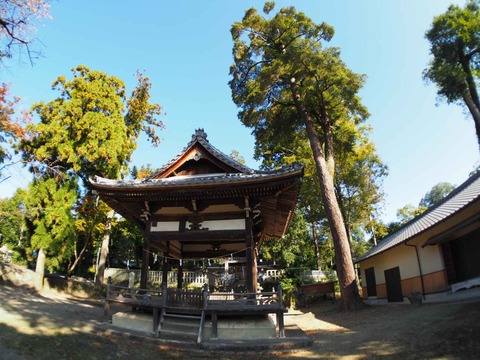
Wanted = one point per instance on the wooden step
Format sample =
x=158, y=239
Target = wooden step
x=179, y=324
x=174, y=323
x=181, y=316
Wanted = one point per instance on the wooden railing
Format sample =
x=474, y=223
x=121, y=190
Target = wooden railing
x=183, y=298
x=245, y=304
x=200, y=301
x=150, y=298
x=243, y=300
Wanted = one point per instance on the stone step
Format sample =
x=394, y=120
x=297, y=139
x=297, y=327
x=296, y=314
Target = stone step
x=176, y=332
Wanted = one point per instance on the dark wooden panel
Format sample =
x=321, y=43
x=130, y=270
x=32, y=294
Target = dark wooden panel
x=371, y=282
x=394, y=285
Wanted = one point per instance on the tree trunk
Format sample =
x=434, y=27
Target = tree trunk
x=104, y=251
x=343, y=258
x=40, y=269
x=345, y=270
x=475, y=113
x=465, y=64
x=78, y=257
x=341, y=205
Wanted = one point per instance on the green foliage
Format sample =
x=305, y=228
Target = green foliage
x=273, y=56
x=294, y=249
x=408, y=212
x=291, y=282
x=235, y=155
x=49, y=211
x=92, y=128
x=455, y=64
x=436, y=194
x=290, y=89
x=90, y=214
x=12, y=226
x=143, y=172
x=127, y=241
x=359, y=178
x=454, y=44
x=326, y=253
x=358, y=184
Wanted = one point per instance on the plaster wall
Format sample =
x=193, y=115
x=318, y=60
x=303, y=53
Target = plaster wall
x=232, y=224
x=406, y=259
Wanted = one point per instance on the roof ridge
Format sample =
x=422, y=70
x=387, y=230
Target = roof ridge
x=200, y=136
x=452, y=194
x=395, y=238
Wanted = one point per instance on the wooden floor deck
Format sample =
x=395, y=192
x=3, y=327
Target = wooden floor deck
x=197, y=303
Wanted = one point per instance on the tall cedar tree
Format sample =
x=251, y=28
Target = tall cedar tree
x=455, y=66
x=91, y=129
x=286, y=86
x=49, y=214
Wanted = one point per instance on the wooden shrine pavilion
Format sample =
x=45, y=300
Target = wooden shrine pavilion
x=204, y=204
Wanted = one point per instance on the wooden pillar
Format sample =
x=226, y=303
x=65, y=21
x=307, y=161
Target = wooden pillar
x=251, y=265
x=165, y=269
x=145, y=256
x=180, y=274
x=280, y=320
x=214, y=325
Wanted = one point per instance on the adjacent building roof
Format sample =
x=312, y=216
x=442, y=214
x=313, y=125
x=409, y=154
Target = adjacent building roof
x=457, y=200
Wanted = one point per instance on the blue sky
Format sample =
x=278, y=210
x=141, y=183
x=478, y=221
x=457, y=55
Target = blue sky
x=185, y=48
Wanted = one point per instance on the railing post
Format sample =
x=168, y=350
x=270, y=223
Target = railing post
x=164, y=294
x=205, y=295
x=280, y=321
x=280, y=295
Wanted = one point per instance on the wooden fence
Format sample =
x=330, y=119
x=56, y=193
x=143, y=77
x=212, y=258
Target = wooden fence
x=120, y=276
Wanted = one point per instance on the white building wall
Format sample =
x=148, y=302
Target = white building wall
x=406, y=259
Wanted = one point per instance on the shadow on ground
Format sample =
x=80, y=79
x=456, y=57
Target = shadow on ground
x=430, y=331
x=40, y=326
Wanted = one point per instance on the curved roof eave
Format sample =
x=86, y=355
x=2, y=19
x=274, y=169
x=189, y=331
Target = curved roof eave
x=195, y=180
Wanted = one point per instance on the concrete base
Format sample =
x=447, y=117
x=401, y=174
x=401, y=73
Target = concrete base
x=133, y=321
x=229, y=328
x=252, y=328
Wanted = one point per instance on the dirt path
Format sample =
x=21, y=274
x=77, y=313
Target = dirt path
x=53, y=326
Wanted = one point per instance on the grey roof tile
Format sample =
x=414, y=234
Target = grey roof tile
x=454, y=202
x=196, y=179
x=201, y=137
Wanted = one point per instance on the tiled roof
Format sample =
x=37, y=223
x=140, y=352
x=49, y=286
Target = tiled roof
x=454, y=202
x=200, y=136
x=203, y=179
